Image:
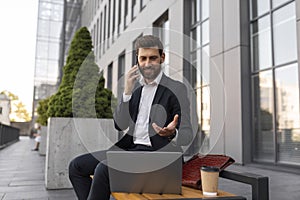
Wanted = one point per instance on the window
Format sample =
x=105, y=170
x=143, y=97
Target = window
x=96, y=47
x=108, y=23
x=1, y=110
x=143, y=4
x=275, y=82
x=109, y=76
x=126, y=16
x=121, y=71
x=100, y=36
x=199, y=59
x=161, y=30
x=119, y=16
x=197, y=69
x=114, y=20
x=104, y=29
x=134, y=10
x=93, y=36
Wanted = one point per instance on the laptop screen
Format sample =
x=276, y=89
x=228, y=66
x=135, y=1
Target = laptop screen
x=145, y=172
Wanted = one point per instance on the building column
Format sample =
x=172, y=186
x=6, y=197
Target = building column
x=230, y=78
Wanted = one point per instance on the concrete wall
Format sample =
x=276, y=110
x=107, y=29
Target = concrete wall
x=70, y=137
x=43, y=143
x=229, y=50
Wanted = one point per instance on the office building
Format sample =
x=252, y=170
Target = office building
x=240, y=57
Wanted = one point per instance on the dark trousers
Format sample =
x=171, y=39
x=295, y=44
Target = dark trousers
x=81, y=167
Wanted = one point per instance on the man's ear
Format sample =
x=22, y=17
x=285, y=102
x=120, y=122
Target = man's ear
x=162, y=58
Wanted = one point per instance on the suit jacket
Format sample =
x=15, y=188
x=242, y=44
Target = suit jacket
x=170, y=99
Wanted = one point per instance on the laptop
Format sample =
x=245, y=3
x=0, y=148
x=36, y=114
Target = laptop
x=145, y=172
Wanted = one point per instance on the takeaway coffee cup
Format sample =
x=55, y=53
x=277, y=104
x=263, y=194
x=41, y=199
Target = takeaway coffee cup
x=209, y=180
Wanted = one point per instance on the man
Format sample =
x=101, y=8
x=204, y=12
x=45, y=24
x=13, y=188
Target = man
x=156, y=110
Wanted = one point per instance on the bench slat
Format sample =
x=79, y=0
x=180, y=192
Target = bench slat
x=186, y=193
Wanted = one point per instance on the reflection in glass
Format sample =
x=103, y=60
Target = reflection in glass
x=162, y=31
x=288, y=120
x=195, y=11
x=195, y=38
x=42, y=50
x=206, y=110
x=45, y=10
x=199, y=70
x=57, y=12
x=205, y=9
x=53, y=51
x=43, y=29
x=205, y=66
x=196, y=63
x=276, y=3
x=260, y=7
x=263, y=116
x=284, y=21
x=205, y=32
x=261, y=44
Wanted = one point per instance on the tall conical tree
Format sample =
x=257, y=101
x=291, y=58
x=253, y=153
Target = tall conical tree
x=81, y=92
x=42, y=112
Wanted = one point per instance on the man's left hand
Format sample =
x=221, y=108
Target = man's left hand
x=166, y=131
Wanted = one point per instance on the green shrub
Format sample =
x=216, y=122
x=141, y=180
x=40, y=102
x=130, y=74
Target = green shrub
x=42, y=112
x=81, y=92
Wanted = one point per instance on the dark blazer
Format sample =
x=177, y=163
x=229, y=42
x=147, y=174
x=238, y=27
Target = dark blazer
x=170, y=99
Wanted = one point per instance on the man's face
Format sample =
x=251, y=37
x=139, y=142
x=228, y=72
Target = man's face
x=150, y=62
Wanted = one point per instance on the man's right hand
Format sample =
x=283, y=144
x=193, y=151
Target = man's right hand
x=130, y=79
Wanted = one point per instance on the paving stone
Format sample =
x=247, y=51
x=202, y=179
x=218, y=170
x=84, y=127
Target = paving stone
x=8, y=189
x=26, y=195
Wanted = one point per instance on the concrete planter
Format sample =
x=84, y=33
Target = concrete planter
x=70, y=137
x=42, y=148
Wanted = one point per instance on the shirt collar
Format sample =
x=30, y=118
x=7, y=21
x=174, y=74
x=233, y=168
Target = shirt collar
x=154, y=82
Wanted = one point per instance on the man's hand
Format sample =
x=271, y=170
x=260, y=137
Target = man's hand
x=130, y=79
x=166, y=131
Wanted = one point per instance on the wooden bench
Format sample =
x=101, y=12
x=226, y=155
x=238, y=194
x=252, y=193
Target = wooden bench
x=187, y=193
x=259, y=184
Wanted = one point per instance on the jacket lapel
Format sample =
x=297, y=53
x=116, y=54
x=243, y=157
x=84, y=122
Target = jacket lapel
x=160, y=90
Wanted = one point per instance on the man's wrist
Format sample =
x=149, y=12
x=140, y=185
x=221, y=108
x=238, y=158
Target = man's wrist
x=171, y=137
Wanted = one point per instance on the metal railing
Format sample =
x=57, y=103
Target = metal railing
x=8, y=135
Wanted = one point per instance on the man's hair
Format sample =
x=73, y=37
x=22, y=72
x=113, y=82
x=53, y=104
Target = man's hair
x=148, y=41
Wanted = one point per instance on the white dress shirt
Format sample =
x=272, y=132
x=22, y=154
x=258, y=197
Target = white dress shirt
x=140, y=134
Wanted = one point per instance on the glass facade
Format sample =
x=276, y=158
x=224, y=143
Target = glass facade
x=275, y=82
x=46, y=75
x=54, y=32
x=199, y=59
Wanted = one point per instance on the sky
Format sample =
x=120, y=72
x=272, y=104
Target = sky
x=18, y=22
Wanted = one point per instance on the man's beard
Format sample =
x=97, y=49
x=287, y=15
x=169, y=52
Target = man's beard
x=151, y=76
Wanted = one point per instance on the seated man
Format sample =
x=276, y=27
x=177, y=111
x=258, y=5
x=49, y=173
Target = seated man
x=156, y=110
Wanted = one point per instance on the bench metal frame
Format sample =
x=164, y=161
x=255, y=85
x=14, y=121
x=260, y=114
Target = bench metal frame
x=259, y=184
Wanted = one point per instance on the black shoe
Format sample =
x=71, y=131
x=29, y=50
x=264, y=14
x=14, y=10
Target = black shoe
x=34, y=149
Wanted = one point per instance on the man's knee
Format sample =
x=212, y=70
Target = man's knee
x=74, y=166
x=102, y=169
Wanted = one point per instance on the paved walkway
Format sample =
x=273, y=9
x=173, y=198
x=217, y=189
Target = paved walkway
x=22, y=177
x=22, y=174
